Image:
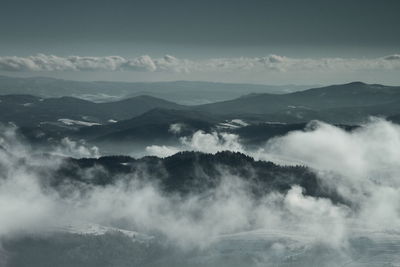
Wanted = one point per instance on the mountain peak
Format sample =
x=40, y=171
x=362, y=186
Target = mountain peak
x=357, y=83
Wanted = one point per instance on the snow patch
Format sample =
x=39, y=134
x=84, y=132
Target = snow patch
x=70, y=122
x=239, y=122
x=275, y=122
x=232, y=124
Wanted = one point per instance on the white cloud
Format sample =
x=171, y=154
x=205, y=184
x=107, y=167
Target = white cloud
x=142, y=63
x=162, y=151
x=70, y=148
x=200, y=141
x=168, y=63
x=361, y=165
x=212, y=142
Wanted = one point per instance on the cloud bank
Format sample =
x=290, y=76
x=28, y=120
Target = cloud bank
x=168, y=63
x=362, y=165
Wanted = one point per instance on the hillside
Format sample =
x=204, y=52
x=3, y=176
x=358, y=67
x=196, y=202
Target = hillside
x=26, y=110
x=189, y=172
x=333, y=103
x=153, y=124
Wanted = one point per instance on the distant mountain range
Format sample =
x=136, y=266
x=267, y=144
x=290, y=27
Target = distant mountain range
x=147, y=120
x=347, y=103
x=182, y=92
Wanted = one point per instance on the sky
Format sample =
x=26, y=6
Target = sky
x=344, y=40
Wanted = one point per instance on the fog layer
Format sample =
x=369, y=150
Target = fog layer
x=361, y=165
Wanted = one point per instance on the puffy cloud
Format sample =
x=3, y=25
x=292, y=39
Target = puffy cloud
x=171, y=63
x=96, y=63
x=356, y=154
x=361, y=165
x=200, y=141
x=212, y=142
x=17, y=64
x=142, y=63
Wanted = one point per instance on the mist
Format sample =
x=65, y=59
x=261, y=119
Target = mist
x=361, y=165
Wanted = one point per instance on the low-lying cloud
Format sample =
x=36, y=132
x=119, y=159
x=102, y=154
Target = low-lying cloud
x=200, y=141
x=30, y=205
x=361, y=165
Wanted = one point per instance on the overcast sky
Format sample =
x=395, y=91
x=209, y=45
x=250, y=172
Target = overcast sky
x=203, y=34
